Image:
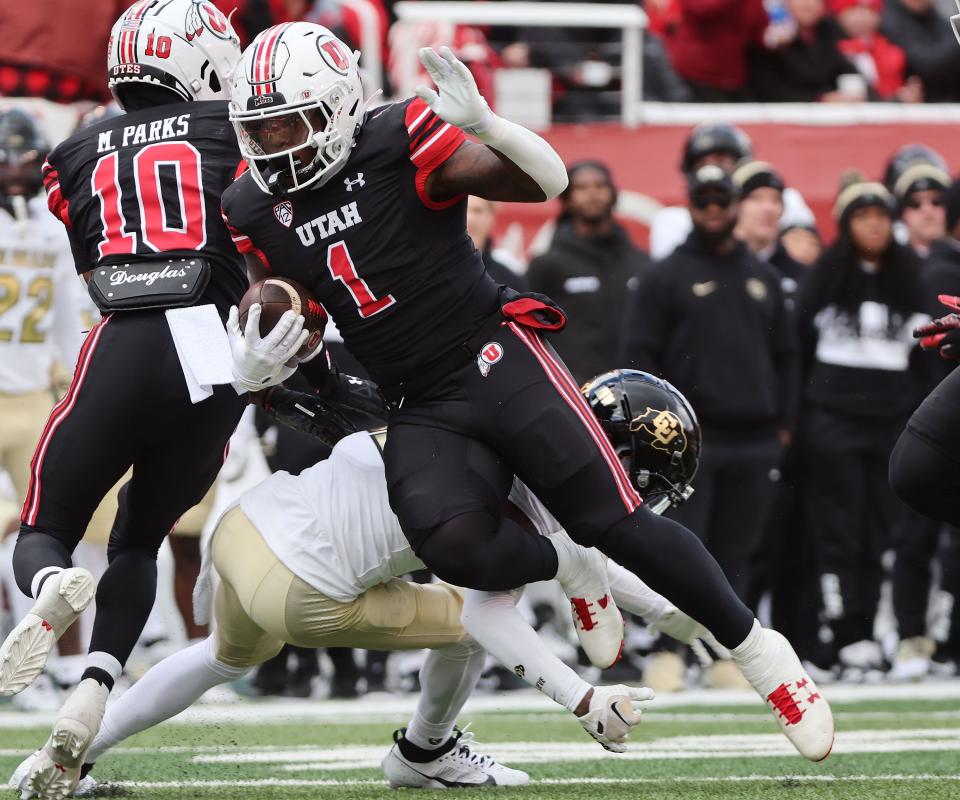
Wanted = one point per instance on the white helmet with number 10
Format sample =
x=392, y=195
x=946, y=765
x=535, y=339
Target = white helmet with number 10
x=186, y=46
x=296, y=103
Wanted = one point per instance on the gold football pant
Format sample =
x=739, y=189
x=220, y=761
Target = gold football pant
x=260, y=605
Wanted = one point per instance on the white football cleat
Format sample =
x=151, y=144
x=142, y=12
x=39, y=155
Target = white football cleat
x=457, y=767
x=18, y=780
x=614, y=713
x=582, y=574
x=55, y=773
x=23, y=654
x=770, y=664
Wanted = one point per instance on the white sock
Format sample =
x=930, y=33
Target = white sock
x=447, y=678
x=167, y=689
x=108, y=663
x=39, y=578
x=492, y=619
x=751, y=647
x=632, y=594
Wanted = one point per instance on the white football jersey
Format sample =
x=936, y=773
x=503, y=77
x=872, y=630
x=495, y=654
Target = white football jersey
x=332, y=525
x=40, y=318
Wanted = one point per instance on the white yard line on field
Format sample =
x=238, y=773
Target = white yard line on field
x=308, y=784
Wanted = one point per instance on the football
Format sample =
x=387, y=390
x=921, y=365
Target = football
x=277, y=295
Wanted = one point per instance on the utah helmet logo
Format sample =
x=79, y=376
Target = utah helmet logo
x=284, y=213
x=333, y=53
x=663, y=430
x=490, y=354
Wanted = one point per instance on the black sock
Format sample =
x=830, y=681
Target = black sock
x=673, y=561
x=101, y=676
x=419, y=755
x=35, y=551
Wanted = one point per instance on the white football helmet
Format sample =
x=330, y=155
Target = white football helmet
x=297, y=86
x=186, y=46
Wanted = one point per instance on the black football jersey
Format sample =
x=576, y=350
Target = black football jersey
x=396, y=271
x=147, y=185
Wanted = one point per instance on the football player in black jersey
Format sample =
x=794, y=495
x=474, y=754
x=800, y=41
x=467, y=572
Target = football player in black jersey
x=367, y=209
x=139, y=195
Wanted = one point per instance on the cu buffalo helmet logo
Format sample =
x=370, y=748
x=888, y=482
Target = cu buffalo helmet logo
x=284, y=213
x=662, y=430
x=334, y=54
x=490, y=354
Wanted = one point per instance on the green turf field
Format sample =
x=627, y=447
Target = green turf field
x=900, y=748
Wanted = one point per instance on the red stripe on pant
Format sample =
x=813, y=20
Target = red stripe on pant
x=61, y=410
x=565, y=385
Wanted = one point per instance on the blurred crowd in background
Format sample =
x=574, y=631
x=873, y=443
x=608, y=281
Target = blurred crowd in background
x=797, y=353
x=694, y=50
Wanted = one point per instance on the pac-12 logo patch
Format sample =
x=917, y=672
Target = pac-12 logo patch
x=284, y=213
x=490, y=354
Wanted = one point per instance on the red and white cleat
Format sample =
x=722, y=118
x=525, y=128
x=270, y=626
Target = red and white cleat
x=770, y=664
x=582, y=574
x=23, y=654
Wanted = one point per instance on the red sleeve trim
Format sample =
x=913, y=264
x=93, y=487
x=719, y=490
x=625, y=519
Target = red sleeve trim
x=240, y=240
x=242, y=167
x=259, y=254
x=432, y=142
x=59, y=206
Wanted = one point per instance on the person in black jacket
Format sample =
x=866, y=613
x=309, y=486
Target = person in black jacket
x=588, y=270
x=481, y=214
x=711, y=319
x=805, y=69
x=857, y=310
x=925, y=36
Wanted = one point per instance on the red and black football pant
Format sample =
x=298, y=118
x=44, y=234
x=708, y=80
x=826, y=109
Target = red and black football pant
x=451, y=456
x=128, y=405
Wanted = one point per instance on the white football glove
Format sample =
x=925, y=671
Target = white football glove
x=459, y=101
x=261, y=362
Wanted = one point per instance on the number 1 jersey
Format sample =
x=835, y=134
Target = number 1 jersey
x=147, y=185
x=395, y=270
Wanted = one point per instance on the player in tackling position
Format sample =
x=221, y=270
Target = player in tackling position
x=367, y=209
x=313, y=560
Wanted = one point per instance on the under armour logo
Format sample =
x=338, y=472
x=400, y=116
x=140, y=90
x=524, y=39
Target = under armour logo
x=358, y=181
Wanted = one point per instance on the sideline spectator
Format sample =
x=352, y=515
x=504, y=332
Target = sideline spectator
x=708, y=46
x=926, y=38
x=806, y=67
x=858, y=308
x=481, y=215
x=920, y=198
x=802, y=242
x=588, y=270
x=711, y=320
x=881, y=63
x=904, y=159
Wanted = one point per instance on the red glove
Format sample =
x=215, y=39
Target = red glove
x=943, y=334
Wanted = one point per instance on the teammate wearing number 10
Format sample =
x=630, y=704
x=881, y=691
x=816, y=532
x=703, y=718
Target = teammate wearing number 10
x=136, y=190
x=367, y=208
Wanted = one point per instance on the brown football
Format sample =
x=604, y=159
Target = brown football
x=277, y=295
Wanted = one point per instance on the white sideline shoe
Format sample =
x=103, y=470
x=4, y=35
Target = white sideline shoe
x=614, y=713
x=23, y=654
x=582, y=574
x=769, y=663
x=18, y=780
x=55, y=773
x=457, y=767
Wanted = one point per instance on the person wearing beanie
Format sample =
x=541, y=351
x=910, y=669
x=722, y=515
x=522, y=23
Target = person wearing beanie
x=857, y=310
x=761, y=190
x=919, y=193
x=710, y=318
x=588, y=270
x=882, y=64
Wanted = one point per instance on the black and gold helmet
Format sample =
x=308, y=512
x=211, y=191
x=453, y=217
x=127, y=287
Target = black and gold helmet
x=654, y=431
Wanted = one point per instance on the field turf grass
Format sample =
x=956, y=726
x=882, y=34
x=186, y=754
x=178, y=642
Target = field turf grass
x=905, y=748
